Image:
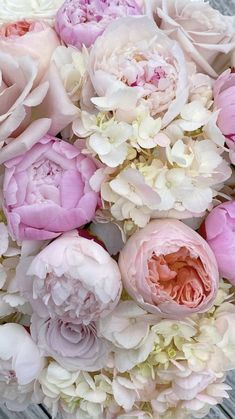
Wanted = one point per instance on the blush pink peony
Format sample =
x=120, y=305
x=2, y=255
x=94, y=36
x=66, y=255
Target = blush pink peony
x=220, y=235
x=46, y=191
x=132, y=64
x=73, y=278
x=80, y=22
x=36, y=39
x=169, y=269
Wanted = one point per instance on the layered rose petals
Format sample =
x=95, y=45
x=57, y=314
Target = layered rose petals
x=169, y=269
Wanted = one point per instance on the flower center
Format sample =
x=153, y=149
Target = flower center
x=182, y=277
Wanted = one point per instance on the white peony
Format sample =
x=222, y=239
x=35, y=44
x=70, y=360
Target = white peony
x=20, y=365
x=12, y=10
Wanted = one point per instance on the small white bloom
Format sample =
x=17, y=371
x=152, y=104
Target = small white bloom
x=146, y=132
x=71, y=65
x=193, y=116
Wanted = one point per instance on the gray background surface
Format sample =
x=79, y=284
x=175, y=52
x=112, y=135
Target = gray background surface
x=224, y=411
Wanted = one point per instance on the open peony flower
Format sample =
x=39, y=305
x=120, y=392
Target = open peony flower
x=219, y=233
x=73, y=278
x=80, y=22
x=20, y=365
x=75, y=346
x=133, y=62
x=12, y=11
x=169, y=269
x=36, y=39
x=203, y=32
x=46, y=190
x=128, y=329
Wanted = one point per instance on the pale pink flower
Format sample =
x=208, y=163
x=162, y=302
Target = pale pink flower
x=75, y=346
x=36, y=39
x=73, y=278
x=203, y=32
x=133, y=62
x=169, y=269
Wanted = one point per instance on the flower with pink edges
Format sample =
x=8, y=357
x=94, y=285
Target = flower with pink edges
x=220, y=234
x=224, y=101
x=169, y=269
x=36, y=39
x=46, y=191
x=80, y=22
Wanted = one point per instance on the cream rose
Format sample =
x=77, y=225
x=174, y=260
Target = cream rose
x=204, y=34
x=12, y=10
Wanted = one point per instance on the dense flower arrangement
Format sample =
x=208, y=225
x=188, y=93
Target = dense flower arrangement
x=117, y=219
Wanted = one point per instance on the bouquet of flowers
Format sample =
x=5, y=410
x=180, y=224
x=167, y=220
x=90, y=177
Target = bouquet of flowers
x=117, y=220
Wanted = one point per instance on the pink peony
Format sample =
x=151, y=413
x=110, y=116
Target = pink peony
x=220, y=235
x=73, y=278
x=224, y=101
x=169, y=269
x=36, y=39
x=75, y=346
x=80, y=22
x=46, y=191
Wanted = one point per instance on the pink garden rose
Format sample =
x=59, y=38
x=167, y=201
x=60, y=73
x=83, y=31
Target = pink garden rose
x=132, y=64
x=203, y=32
x=169, y=269
x=73, y=278
x=220, y=235
x=80, y=22
x=224, y=101
x=46, y=191
x=75, y=346
x=36, y=39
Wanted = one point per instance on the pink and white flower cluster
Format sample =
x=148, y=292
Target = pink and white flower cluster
x=117, y=217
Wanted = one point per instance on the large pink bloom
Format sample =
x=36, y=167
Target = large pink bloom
x=169, y=269
x=224, y=100
x=46, y=190
x=80, y=22
x=220, y=234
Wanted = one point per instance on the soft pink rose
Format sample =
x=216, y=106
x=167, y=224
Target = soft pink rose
x=75, y=346
x=36, y=39
x=80, y=22
x=46, y=190
x=220, y=234
x=203, y=32
x=224, y=101
x=74, y=278
x=169, y=269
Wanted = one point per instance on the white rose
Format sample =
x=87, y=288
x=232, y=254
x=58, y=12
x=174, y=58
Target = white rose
x=205, y=35
x=12, y=10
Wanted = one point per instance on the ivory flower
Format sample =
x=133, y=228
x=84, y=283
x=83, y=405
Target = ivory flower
x=28, y=9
